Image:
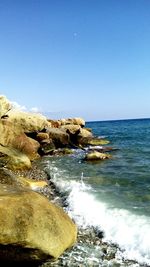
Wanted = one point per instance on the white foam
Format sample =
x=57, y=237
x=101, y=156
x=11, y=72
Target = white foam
x=131, y=232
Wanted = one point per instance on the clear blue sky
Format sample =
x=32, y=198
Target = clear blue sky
x=88, y=58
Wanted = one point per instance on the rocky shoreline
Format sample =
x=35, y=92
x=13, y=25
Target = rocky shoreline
x=35, y=228
x=90, y=237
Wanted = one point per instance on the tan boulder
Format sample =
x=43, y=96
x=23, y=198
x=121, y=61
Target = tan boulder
x=14, y=159
x=14, y=143
x=58, y=136
x=32, y=226
x=94, y=155
x=85, y=133
x=75, y=121
x=55, y=123
x=8, y=132
x=28, y=122
x=42, y=136
x=72, y=128
x=26, y=145
x=5, y=106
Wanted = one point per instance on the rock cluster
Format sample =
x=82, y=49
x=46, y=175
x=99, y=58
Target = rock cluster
x=31, y=227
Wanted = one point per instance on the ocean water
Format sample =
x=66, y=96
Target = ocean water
x=112, y=195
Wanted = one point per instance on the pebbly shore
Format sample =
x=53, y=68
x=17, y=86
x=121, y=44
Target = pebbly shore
x=109, y=254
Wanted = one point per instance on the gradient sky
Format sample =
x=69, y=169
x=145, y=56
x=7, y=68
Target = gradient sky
x=88, y=58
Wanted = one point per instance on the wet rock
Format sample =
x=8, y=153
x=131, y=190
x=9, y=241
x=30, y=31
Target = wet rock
x=88, y=140
x=91, y=156
x=47, y=147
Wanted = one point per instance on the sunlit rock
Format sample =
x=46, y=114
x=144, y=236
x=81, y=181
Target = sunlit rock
x=75, y=121
x=96, y=156
x=5, y=106
x=32, y=226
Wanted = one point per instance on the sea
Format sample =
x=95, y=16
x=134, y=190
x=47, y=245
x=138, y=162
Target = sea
x=111, y=195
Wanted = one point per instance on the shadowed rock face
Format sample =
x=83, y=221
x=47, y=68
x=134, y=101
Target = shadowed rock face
x=29, y=223
x=59, y=137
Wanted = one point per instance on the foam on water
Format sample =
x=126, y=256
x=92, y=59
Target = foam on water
x=130, y=231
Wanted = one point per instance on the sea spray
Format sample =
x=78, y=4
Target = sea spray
x=114, y=195
x=128, y=231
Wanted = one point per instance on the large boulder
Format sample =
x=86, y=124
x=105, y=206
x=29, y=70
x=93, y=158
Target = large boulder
x=32, y=228
x=8, y=132
x=14, y=159
x=26, y=145
x=59, y=137
x=18, y=147
x=5, y=106
x=29, y=122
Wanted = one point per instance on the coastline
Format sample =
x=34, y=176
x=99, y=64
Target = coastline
x=90, y=237
x=26, y=141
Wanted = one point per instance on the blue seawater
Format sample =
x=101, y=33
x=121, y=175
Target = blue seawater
x=114, y=194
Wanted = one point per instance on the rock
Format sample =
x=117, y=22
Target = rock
x=9, y=178
x=27, y=146
x=75, y=121
x=55, y=123
x=32, y=225
x=47, y=146
x=96, y=156
x=58, y=136
x=8, y=132
x=14, y=159
x=92, y=141
x=42, y=136
x=98, y=142
x=30, y=184
x=85, y=133
x=62, y=151
x=16, y=146
x=71, y=128
x=28, y=122
x=5, y=106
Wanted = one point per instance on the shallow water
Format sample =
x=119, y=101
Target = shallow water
x=112, y=195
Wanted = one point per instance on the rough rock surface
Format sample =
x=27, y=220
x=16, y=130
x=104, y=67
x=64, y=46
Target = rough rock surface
x=29, y=222
x=5, y=106
x=29, y=122
x=96, y=156
x=75, y=121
